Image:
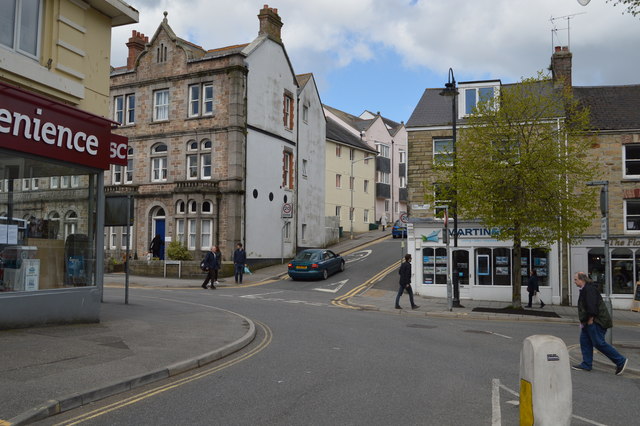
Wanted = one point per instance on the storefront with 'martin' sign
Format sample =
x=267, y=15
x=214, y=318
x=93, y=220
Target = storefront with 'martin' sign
x=52, y=159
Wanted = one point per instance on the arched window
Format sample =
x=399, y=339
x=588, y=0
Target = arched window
x=206, y=207
x=159, y=162
x=180, y=207
x=70, y=223
x=193, y=206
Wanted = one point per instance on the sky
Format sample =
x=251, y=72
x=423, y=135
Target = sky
x=380, y=55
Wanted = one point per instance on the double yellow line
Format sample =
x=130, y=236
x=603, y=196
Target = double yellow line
x=266, y=340
x=343, y=301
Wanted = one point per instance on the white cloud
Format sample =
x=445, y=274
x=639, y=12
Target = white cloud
x=504, y=39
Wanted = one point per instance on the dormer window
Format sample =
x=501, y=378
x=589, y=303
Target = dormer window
x=471, y=94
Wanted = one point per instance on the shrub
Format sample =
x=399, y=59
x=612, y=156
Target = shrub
x=176, y=251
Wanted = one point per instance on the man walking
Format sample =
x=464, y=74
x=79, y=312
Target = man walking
x=594, y=321
x=405, y=282
x=211, y=264
x=239, y=262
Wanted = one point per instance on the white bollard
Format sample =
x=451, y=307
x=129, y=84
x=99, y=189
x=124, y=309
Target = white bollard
x=545, y=382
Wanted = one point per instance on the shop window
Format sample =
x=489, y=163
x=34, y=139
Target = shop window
x=21, y=26
x=622, y=271
x=596, y=267
x=502, y=266
x=540, y=262
x=434, y=265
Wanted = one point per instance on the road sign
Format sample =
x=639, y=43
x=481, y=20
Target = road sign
x=287, y=210
x=404, y=218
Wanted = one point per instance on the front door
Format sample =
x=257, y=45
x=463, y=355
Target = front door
x=159, y=230
x=461, y=270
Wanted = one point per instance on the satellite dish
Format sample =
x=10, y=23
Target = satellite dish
x=584, y=2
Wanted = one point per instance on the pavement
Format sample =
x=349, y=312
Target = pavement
x=49, y=370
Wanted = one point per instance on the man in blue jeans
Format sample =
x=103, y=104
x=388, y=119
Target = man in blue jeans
x=594, y=322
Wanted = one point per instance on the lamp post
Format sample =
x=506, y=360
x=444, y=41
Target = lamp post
x=352, y=183
x=451, y=90
x=604, y=228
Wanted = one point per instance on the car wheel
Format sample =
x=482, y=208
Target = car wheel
x=342, y=266
x=325, y=274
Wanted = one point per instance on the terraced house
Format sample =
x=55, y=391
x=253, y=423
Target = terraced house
x=484, y=265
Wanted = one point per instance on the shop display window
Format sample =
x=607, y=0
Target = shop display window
x=622, y=271
x=434, y=264
x=495, y=266
x=47, y=233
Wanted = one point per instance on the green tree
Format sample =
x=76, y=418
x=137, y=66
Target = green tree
x=633, y=6
x=520, y=165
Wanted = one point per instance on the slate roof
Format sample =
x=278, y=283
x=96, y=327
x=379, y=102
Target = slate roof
x=337, y=133
x=355, y=122
x=611, y=107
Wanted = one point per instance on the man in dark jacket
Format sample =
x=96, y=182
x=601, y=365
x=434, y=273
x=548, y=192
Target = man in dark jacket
x=239, y=262
x=594, y=322
x=405, y=282
x=211, y=263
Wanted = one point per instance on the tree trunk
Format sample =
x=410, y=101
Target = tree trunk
x=516, y=299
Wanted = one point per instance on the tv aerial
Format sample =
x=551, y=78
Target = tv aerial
x=555, y=29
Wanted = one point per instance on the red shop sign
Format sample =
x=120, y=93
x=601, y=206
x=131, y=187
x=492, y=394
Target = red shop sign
x=37, y=125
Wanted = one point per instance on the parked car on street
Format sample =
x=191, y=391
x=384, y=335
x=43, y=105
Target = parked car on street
x=315, y=263
x=399, y=229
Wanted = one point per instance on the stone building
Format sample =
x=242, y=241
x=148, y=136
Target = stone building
x=483, y=264
x=213, y=144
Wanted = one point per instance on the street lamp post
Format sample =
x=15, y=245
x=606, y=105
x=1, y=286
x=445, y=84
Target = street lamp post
x=353, y=184
x=451, y=90
x=604, y=228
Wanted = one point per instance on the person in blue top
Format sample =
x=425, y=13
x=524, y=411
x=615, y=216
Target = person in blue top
x=594, y=321
x=239, y=262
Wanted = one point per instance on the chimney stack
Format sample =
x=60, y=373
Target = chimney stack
x=270, y=23
x=561, y=66
x=136, y=45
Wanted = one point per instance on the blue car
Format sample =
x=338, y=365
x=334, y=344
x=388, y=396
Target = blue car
x=315, y=263
x=399, y=230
